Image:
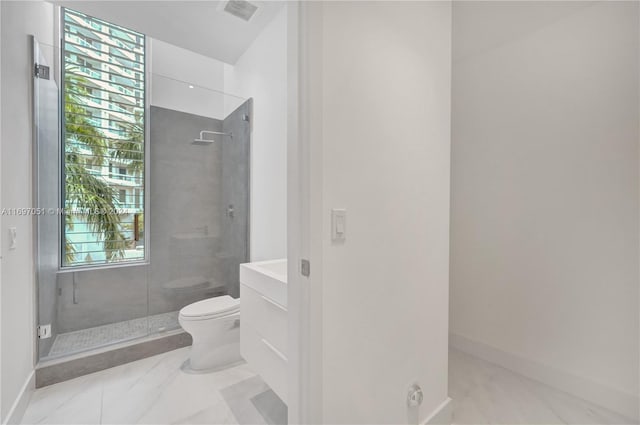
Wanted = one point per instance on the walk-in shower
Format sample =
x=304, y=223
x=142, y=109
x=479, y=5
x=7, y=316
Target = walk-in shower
x=182, y=193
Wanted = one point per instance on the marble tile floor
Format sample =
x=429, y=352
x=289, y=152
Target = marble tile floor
x=484, y=393
x=264, y=404
x=99, y=336
x=155, y=390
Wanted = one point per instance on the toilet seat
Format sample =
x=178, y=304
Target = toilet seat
x=211, y=308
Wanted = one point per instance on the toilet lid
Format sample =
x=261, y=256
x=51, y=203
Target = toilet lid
x=216, y=306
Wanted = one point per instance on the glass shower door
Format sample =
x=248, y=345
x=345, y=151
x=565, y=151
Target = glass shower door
x=199, y=196
x=79, y=308
x=46, y=191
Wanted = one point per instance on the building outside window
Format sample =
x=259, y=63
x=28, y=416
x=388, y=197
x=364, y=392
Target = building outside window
x=103, y=68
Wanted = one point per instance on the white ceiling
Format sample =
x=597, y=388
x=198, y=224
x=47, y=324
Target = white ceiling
x=200, y=26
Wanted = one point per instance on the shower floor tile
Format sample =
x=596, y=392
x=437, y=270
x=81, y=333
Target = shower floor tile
x=85, y=339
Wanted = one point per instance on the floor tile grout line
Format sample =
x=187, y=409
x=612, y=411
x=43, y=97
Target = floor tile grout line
x=101, y=401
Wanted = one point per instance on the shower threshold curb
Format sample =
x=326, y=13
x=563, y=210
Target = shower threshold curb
x=62, y=369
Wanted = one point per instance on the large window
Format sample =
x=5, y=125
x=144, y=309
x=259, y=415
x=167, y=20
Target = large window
x=103, y=67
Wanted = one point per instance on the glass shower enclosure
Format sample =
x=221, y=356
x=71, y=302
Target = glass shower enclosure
x=183, y=214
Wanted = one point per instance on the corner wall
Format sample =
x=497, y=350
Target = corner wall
x=261, y=74
x=17, y=297
x=544, y=256
x=174, y=69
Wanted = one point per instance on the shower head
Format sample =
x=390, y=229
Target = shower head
x=202, y=141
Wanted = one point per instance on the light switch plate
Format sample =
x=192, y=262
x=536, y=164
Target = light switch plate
x=338, y=224
x=13, y=238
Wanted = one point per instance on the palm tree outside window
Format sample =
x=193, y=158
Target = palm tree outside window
x=103, y=68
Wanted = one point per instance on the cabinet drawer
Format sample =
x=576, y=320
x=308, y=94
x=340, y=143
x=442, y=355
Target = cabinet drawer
x=267, y=317
x=265, y=359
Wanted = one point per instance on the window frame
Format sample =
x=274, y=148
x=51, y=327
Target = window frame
x=146, y=73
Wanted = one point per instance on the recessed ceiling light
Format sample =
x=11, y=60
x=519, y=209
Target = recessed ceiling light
x=190, y=86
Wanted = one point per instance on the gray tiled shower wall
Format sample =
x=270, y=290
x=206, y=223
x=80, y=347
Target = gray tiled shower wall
x=194, y=240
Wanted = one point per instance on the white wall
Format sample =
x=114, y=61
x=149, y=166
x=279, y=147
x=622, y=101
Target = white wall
x=382, y=79
x=19, y=20
x=175, y=69
x=544, y=266
x=261, y=73
x=1, y=227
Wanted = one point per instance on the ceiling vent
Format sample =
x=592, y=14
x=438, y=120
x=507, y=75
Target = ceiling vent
x=240, y=9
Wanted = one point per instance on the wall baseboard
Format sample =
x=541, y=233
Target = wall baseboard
x=623, y=403
x=15, y=414
x=443, y=415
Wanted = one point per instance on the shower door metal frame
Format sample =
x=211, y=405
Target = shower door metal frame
x=53, y=76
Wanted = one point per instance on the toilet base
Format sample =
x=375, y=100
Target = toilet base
x=209, y=357
x=186, y=367
x=216, y=343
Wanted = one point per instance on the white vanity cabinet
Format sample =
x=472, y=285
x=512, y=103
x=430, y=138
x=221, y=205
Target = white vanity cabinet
x=263, y=321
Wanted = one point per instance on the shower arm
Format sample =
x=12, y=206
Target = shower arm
x=218, y=133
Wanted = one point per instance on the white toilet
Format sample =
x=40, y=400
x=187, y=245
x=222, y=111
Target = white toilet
x=214, y=324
